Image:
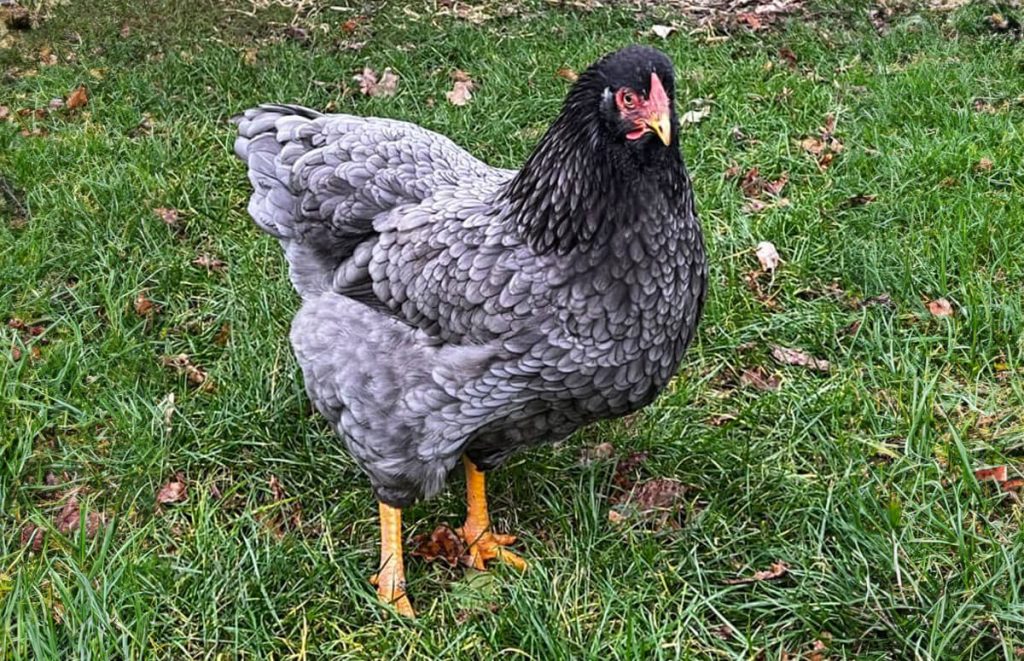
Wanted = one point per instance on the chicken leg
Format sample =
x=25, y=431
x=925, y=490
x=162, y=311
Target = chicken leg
x=476, y=532
x=390, y=578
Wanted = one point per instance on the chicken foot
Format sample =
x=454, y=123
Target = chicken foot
x=476, y=532
x=390, y=578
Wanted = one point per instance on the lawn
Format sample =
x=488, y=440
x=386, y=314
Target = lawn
x=887, y=145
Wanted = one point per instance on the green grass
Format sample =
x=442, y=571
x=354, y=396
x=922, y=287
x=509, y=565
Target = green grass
x=861, y=480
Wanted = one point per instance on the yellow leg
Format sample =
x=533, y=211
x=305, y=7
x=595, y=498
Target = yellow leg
x=476, y=531
x=390, y=579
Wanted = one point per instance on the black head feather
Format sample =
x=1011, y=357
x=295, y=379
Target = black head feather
x=585, y=176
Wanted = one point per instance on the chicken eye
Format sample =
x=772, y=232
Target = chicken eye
x=629, y=100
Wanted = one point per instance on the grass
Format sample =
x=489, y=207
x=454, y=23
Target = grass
x=861, y=480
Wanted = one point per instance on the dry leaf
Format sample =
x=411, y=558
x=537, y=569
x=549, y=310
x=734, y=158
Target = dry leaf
x=460, y=93
x=759, y=378
x=787, y=54
x=564, y=72
x=5, y=112
x=663, y=31
x=370, y=85
x=143, y=306
x=752, y=184
x=777, y=570
x=768, y=256
x=183, y=365
x=998, y=474
x=940, y=307
x=599, y=452
x=78, y=98
x=443, y=543
x=774, y=188
x=626, y=469
x=70, y=518
x=797, y=358
x=750, y=20
x=249, y=56
x=168, y=409
x=209, y=262
x=168, y=216
x=657, y=501
x=223, y=335
x=695, y=116
x=33, y=537
x=172, y=492
x=984, y=165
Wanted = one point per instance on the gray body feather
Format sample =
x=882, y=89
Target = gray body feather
x=430, y=325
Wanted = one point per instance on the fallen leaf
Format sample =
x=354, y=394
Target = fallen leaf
x=615, y=517
x=172, y=492
x=370, y=85
x=168, y=409
x=249, y=56
x=78, y=98
x=695, y=116
x=626, y=468
x=750, y=20
x=351, y=25
x=777, y=570
x=15, y=353
x=441, y=544
x=752, y=184
x=858, y=200
x=759, y=378
x=143, y=306
x=33, y=536
x=817, y=651
x=210, y=263
x=732, y=171
x=600, y=452
x=984, y=165
x=70, y=518
x=998, y=474
x=774, y=188
x=657, y=501
x=183, y=365
x=564, y=72
x=940, y=307
x=768, y=256
x=797, y=358
x=787, y=54
x=462, y=90
x=5, y=112
x=168, y=216
x=223, y=335
x=663, y=31
x=813, y=145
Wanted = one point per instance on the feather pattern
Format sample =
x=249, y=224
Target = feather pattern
x=450, y=307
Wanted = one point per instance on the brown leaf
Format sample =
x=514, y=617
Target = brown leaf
x=750, y=20
x=78, y=98
x=788, y=356
x=787, y=54
x=223, y=335
x=351, y=25
x=277, y=489
x=172, y=492
x=143, y=306
x=752, y=184
x=657, y=494
x=615, y=517
x=33, y=537
x=249, y=56
x=998, y=474
x=183, y=365
x=5, y=112
x=210, y=263
x=984, y=165
x=168, y=216
x=774, y=188
x=600, y=452
x=564, y=72
x=462, y=90
x=370, y=85
x=858, y=200
x=15, y=352
x=732, y=171
x=442, y=544
x=69, y=518
x=777, y=570
x=813, y=145
x=759, y=378
x=768, y=256
x=940, y=307
x=626, y=468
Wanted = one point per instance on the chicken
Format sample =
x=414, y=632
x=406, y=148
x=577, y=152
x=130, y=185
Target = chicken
x=455, y=311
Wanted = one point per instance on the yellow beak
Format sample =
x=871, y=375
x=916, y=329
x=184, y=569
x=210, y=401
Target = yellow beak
x=661, y=124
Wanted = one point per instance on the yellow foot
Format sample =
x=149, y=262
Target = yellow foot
x=485, y=545
x=391, y=591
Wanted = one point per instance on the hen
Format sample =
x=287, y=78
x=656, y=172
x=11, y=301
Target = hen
x=452, y=310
